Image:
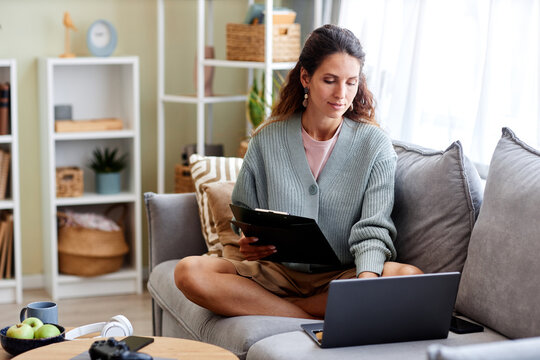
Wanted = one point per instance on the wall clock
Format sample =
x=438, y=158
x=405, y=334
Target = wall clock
x=101, y=38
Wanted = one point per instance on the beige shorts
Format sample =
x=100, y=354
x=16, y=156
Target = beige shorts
x=285, y=282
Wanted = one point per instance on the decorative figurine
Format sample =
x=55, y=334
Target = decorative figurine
x=68, y=23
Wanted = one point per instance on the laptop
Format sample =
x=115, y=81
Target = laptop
x=386, y=309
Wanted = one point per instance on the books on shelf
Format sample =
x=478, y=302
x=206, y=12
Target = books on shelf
x=5, y=159
x=6, y=246
x=4, y=108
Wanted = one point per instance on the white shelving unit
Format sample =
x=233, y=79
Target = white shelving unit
x=95, y=88
x=205, y=26
x=11, y=288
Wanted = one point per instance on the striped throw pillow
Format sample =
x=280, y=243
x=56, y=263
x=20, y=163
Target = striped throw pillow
x=206, y=170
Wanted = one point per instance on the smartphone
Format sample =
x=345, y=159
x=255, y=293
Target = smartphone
x=135, y=343
x=461, y=326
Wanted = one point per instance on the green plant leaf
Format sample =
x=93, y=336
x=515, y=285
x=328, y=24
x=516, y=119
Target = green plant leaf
x=107, y=161
x=257, y=105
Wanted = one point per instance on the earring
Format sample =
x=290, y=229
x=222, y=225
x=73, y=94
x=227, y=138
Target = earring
x=351, y=108
x=306, y=92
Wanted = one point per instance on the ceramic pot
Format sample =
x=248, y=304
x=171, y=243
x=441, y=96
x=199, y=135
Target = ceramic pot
x=108, y=183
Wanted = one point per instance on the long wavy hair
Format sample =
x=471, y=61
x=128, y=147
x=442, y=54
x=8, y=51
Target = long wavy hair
x=321, y=43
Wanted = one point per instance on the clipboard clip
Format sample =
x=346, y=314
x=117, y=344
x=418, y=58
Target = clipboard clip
x=272, y=211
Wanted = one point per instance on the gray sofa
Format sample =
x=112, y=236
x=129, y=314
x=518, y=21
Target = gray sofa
x=494, y=243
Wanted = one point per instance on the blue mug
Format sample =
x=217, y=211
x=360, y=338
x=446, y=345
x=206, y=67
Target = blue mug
x=46, y=311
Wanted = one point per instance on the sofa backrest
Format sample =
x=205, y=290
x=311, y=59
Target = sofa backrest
x=174, y=228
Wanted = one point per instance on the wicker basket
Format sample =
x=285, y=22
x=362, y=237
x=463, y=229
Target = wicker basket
x=69, y=182
x=89, y=252
x=246, y=42
x=242, y=148
x=183, y=183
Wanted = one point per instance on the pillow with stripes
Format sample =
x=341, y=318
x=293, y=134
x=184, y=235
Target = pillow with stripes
x=207, y=170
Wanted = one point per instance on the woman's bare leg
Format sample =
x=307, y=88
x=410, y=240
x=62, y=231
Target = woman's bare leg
x=214, y=284
x=316, y=305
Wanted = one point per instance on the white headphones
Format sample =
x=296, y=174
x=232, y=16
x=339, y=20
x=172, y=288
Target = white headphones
x=119, y=325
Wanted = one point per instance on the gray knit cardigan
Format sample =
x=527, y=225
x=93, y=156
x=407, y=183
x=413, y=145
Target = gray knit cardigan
x=352, y=199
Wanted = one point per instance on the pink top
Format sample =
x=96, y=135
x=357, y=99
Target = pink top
x=318, y=152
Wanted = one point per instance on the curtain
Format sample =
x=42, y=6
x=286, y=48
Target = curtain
x=451, y=70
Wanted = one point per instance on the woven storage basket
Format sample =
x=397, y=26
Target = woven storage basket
x=69, y=181
x=183, y=183
x=90, y=252
x=246, y=42
x=242, y=148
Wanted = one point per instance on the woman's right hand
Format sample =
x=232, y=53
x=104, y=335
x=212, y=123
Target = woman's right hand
x=253, y=252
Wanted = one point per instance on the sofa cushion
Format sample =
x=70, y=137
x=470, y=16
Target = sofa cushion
x=298, y=346
x=219, y=197
x=500, y=284
x=522, y=349
x=437, y=199
x=205, y=170
x=236, y=334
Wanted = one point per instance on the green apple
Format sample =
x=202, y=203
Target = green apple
x=34, y=322
x=20, y=331
x=46, y=331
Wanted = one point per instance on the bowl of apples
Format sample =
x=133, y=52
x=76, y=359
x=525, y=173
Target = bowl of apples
x=30, y=334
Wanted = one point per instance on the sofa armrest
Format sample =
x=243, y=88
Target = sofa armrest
x=174, y=227
x=522, y=349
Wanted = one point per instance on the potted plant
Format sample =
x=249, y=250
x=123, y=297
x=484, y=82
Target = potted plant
x=108, y=166
x=257, y=106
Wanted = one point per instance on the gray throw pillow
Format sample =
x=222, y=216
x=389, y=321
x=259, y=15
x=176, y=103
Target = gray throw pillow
x=500, y=284
x=437, y=198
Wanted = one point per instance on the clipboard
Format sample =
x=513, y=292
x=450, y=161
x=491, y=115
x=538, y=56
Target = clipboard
x=297, y=239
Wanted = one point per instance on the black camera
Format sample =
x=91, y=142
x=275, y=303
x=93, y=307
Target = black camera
x=111, y=349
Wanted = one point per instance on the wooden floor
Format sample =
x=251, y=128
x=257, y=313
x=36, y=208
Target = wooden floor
x=77, y=312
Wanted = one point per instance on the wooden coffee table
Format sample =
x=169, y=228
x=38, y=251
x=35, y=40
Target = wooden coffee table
x=164, y=347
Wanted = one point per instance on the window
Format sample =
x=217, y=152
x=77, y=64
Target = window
x=451, y=70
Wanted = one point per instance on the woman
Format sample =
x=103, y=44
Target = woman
x=321, y=156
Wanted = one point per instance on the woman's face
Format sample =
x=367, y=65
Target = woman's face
x=333, y=86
